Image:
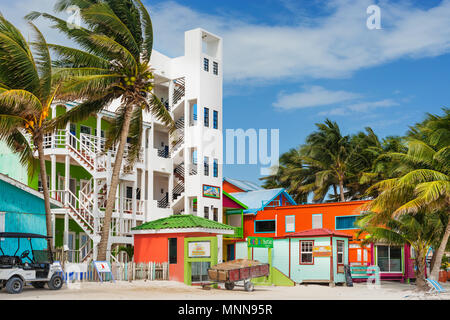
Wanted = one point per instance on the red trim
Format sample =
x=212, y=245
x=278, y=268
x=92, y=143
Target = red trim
x=300, y=252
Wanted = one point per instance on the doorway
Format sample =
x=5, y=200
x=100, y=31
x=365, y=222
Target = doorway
x=230, y=252
x=200, y=271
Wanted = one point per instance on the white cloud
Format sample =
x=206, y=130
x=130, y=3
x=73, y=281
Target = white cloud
x=327, y=46
x=314, y=96
x=360, y=107
x=330, y=46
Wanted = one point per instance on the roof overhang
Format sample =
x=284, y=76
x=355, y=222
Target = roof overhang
x=184, y=230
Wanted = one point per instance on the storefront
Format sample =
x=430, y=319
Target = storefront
x=188, y=243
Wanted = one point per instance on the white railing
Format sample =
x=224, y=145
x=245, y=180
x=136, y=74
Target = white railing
x=57, y=140
x=84, y=151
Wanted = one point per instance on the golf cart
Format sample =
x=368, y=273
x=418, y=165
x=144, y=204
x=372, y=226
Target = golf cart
x=38, y=270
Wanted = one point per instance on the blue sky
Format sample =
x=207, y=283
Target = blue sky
x=289, y=64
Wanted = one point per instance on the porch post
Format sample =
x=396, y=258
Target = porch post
x=99, y=131
x=53, y=175
x=134, y=201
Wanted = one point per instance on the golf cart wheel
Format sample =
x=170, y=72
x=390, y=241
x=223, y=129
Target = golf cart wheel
x=38, y=285
x=56, y=282
x=249, y=287
x=229, y=285
x=14, y=285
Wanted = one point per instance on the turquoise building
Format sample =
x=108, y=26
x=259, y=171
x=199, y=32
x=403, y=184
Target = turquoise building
x=22, y=210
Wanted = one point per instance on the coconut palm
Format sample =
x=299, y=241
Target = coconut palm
x=420, y=231
x=113, y=63
x=26, y=94
x=423, y=182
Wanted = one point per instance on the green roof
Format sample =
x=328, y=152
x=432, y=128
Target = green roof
x=183, y=222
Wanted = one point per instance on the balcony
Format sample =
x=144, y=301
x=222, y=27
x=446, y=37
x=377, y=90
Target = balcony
x=238, y=233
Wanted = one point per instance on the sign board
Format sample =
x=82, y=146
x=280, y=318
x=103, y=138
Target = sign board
x=103, y=268
x=200, y=249
x=257, y=242
x=322, y=251
x=211, y=192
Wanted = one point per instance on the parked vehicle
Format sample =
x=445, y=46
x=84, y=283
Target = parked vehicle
x=242, y=270
x=19, y=270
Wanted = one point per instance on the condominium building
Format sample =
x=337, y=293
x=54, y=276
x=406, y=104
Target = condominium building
x=176, y=173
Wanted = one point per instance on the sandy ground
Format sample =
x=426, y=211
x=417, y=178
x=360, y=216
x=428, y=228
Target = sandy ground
x=170, y=290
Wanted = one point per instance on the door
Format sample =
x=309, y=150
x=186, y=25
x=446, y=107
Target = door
x=73, y=131
x=73, y=189
x=85, y=245
x=71, y=244
x=230, y=252
x=200, y=271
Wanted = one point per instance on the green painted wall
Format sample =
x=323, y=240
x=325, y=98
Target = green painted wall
x=187, y=261
x=59, y=230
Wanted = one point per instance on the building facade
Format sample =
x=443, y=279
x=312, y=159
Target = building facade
x=176, y=173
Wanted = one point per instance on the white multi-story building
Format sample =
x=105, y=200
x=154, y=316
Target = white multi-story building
x=178, y=173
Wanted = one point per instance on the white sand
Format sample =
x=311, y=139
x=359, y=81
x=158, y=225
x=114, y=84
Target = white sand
x=170, y=290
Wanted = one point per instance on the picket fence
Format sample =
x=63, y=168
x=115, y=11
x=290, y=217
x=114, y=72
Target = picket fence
x=86, y=272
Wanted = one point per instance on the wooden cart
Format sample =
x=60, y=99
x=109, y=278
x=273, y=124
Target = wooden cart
x=235, y=271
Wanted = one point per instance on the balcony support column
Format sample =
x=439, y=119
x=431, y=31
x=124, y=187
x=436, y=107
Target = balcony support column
x=99, y=132
x=53, y=176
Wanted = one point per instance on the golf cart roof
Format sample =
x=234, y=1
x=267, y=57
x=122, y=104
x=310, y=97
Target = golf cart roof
x=22, y=235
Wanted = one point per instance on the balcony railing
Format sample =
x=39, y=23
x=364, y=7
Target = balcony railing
x=238, y=233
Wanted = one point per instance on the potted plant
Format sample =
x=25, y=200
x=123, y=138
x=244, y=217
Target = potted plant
x=443, y=273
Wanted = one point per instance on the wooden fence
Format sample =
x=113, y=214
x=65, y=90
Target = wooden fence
x=120, y=271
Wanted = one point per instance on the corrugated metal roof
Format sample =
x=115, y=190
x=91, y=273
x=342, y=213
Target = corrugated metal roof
x=243, y=185
x=182, y=222
x=257, y=199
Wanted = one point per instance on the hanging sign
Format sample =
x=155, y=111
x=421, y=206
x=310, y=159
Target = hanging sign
x=199, y=249
x=211, y=192
x=322, y=251
x=257, y=242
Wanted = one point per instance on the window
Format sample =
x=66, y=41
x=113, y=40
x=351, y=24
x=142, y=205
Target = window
x=346, y=222
x=389, y=259
x=206, y=64
x=216, y=120
x=265, y=226
x=215, y=68
x=206, y=117
x=40, y=187
x=306, y=252
x=317, y=221
x=2, y=221
x=216, y=214
x=85, y=130
x=206, y=212
x=129, y=193
x=340, y=251
x=216, y=168
x=173, y=250
x=290, y=223
x=206, y=165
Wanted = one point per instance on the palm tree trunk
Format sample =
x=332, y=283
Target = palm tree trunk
x=420, y=272
x=341, y=189
x=43, y=172
x=103, y=245
x=335, y=190
x=434, y=275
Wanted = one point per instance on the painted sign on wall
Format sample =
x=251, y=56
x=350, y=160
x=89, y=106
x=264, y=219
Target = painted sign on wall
x=211, y=191
x=322, y=251
x=258, y=242
x=199, y=249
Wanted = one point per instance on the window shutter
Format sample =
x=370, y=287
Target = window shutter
x=290, y=224
x=317, y=221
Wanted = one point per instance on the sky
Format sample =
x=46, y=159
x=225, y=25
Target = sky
x=289, y=64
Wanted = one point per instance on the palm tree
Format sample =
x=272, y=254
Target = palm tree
x=423, y=182
x=114, y=63
x=420, y=231
x=26, y=94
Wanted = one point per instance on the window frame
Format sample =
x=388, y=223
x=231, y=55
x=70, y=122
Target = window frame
x=337, y=252
x=215, y=168
x=345, y=216
x=321, y=220
x=301, y=252
x=215, y=119
x=206, y=64
x=206, y=166
x=176, y=250
x=215, y=68
x=206, y=117
x=274, y=229
x=285, y=223
x=206, y=212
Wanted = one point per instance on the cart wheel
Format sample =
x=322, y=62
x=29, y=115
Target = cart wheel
x=14, y=285
x=229, y=285
x=249, y=286
x=56, y=282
